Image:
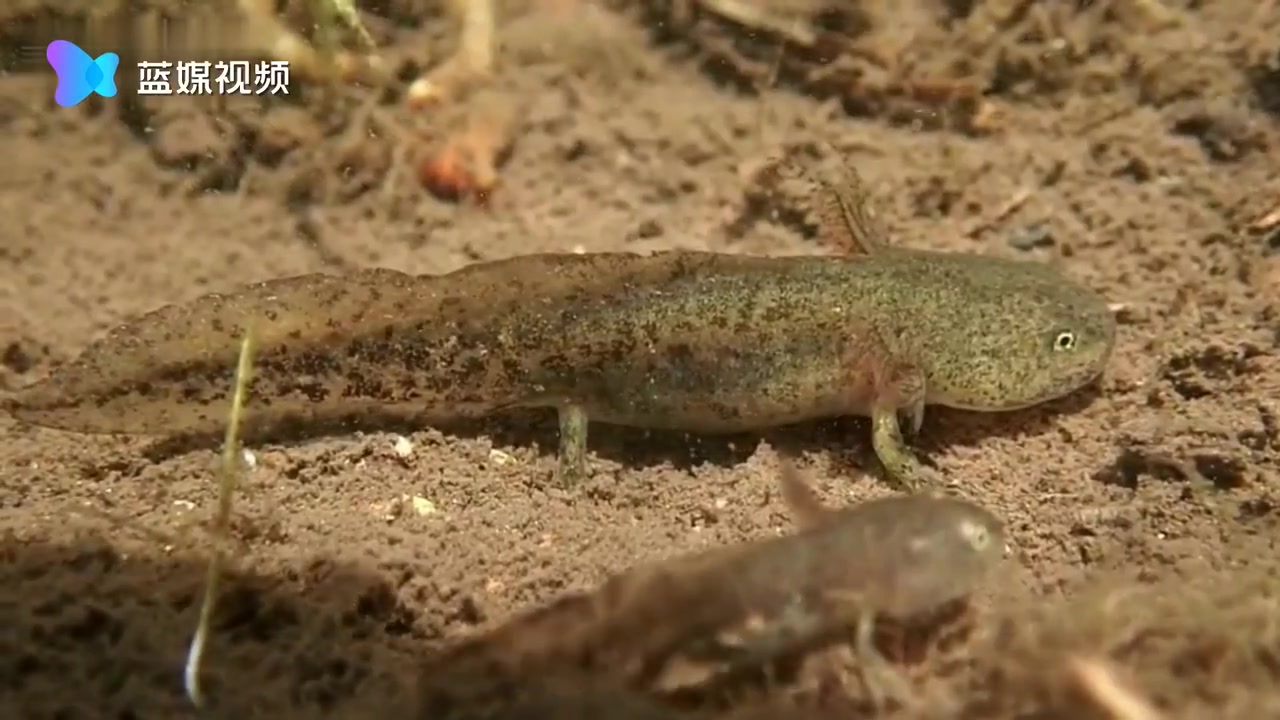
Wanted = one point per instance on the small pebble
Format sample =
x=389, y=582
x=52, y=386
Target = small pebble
x=402, y=446
x=1037, y=235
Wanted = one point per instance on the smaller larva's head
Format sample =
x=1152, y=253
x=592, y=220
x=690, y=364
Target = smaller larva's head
x=967, y=532
x=948, y=546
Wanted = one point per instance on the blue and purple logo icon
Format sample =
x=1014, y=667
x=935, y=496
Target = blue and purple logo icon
x=79, y=75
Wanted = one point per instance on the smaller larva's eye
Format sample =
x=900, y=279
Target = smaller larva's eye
x=975, y=534
x=1065, y=340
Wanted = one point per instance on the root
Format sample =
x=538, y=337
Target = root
x=268, y=34
x=469, y=66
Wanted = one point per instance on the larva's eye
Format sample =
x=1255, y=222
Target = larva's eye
x=976, y=535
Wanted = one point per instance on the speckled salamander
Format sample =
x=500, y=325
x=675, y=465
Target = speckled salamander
x=693, y=341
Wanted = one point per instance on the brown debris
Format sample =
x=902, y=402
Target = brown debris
x=846, y=63
x=466, y=166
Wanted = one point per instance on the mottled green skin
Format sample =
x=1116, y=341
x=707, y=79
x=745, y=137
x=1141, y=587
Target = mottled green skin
x=692, y=341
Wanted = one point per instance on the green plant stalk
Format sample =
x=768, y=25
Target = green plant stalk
x=228, y=476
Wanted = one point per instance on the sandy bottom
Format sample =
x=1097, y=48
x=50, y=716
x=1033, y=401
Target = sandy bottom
x=1135, y=144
